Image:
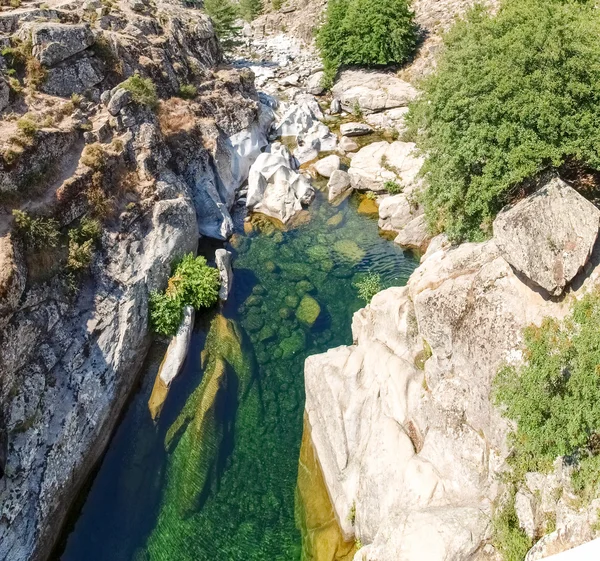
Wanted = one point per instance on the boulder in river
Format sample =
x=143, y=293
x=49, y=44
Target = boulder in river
x=380, y=162
x=275, y=188
x=372, y=91
x=314, y=84
x=339, y=185
x=172, y=363
x=328, y=165
x=550, y=236
x=355, y=129
x=223, y=260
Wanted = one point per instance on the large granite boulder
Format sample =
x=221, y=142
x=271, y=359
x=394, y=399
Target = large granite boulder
x=372, y=91
x=275, y=188
x=339, y=185
x=550, y=236
x=380, y=162
x=55, y=42
x=74, y=76
x=298, y=117
x=403, y=214
x=402, y=421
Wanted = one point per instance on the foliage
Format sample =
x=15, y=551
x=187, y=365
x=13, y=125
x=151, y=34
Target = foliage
x=393, y=187
x=27, y=126
x=508, y=537
x=166, y=313
x=80, y=254
x=193, y=283
x=36, y=233
x=366, y=33
x=36, y=74
x=223, y=14
x=554, y=397
x=369, y=286
x=277, y=4
x=514, y=94
x=143, y=90
x=250, y=9
x=93, y=156
x=188, y=91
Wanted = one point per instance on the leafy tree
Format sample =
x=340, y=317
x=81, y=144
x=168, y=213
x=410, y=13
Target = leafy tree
x=193, y=283
x=366, y=33
x=250, y=9
x=554, y=398
x=223, y=14
x=514, y=94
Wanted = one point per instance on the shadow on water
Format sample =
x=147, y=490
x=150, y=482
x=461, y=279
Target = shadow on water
x=293, y=295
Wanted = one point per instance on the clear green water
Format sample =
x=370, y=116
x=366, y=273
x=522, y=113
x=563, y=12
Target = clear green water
x=179, y=491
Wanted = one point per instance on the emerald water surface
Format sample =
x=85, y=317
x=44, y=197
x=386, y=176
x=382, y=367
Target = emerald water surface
x=164, y=494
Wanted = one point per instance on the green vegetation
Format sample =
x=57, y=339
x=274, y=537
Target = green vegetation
x=224, y=14
x=366, y=33
x=393, y=187
x=368, y=286
x=36, y=233
x=555, y=397
x=250, y=9
x=81, y=244
x=93, y=156
x=143, y=90
x=508, y=537
x=514, y=94
x=193, y=283
x=277, y=4
x=188, y=91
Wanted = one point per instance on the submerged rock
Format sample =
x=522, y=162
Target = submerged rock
x=550, y=236
x=308, y=311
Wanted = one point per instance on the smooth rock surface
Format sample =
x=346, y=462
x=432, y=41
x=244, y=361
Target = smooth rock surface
x=314, y=85
x=275, y=189
x=379, y=162
x=372, y=91
x=549, y=237
x=4, y=93
x=223, y=260
x=355, y=129
x=328, y=165
x=339, y=185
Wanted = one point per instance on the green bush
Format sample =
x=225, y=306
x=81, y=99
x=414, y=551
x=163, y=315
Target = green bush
x=36, y=233
x=366, y=33
x=166, y=313
x=193, y=283
x=143, y=90
x=514, y=94
x=188, y=91
x=81, y=244
x=508, y=537
x=368, y=286
x=223, y=14
x=393, y=187
x=554, y=397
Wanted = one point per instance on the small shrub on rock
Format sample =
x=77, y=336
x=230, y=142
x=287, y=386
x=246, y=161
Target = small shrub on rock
x=393, y=187
x=93, y=156
x=366, y=33
x=554, y=397
x=188, y=91
x=36, y=233
x=369, y=286
x=27, y=126
x=143, y=90
x=514, y=94
x=193, y=283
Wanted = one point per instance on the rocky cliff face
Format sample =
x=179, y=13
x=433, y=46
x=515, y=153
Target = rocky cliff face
x=402, y=421
x=69, y=355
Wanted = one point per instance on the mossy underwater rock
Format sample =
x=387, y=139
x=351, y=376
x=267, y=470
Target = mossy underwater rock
x=368, y=207
x=322, y=538
x=308, y=311
x=349, y=250
x=292, y=344
x=194, y=439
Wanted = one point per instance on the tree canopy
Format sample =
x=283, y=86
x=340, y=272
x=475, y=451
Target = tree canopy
x=514, y=94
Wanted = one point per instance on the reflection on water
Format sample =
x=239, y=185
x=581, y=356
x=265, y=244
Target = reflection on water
x=215, y=478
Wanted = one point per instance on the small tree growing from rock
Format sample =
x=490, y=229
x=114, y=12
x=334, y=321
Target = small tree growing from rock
x=223, y=14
